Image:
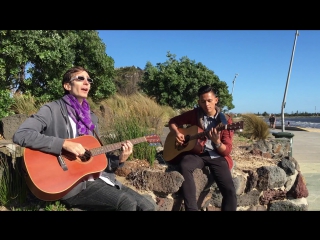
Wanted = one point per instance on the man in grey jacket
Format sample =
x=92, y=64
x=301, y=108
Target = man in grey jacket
x=51, y=129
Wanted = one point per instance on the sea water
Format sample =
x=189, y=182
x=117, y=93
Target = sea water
x=304, y=122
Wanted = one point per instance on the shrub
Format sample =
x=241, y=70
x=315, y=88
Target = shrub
x=5, y=103
x=25, y=104
x=13, y=188
x=254, y=127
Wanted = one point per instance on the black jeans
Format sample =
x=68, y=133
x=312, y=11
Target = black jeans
x=222, y=176
x=100, y=196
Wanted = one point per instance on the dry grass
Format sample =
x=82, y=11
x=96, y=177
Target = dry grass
x=24, y=104
x=150, y=114
x=254, y=127
x=245, y=160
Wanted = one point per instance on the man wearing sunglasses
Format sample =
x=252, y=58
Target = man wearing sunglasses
x=52, y=129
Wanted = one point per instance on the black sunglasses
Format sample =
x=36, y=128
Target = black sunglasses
x=81, y=78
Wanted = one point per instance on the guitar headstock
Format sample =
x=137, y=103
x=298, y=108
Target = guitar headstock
x=153, y=138
x=231, y=126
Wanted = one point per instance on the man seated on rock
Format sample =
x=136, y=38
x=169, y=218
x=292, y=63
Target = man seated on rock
x=216, y=154
x=51, y=129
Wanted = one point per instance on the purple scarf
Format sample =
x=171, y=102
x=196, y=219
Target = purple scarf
x=80, y=114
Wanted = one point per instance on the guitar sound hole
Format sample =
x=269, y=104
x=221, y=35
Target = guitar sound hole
x=86, y=156
x=186, y=140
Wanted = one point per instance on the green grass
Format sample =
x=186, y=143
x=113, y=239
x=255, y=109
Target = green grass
x=13, y=188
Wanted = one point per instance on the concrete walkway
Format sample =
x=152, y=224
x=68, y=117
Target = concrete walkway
x=306, y=150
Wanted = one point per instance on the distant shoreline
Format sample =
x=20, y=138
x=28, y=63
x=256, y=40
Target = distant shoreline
x=291, y=128
x=296, y=116
x=299, y=129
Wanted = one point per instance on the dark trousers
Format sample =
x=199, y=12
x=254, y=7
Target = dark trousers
x=222, y=176
x=100, y=196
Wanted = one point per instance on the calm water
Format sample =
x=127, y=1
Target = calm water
x=305, y=122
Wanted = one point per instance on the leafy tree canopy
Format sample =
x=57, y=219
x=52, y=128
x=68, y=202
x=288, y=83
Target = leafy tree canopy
x=127, y=80
x=176, y=83
x=34, y=61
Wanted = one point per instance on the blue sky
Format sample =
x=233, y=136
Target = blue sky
x=261, y=58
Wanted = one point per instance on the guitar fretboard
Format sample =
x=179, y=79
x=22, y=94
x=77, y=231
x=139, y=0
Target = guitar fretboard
x=114, y=146
x=232, y=126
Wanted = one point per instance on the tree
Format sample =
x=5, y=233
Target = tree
x=34, y=60
x=127, y=80
x=176, y=83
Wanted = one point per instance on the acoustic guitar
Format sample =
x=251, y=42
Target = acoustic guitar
x=195, y=139
x=50, y=177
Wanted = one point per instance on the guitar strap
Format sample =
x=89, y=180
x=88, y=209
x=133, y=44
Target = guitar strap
x=95, y=133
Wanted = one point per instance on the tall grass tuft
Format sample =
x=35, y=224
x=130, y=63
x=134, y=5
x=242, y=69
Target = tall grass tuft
x=13, y=189
x=128, y=128
x=254, y=127
x=134, y=116
x=25, y=104
x=151, y=114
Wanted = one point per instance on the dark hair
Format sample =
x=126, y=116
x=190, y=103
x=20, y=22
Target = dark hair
x=206, y=89
x=67, y=76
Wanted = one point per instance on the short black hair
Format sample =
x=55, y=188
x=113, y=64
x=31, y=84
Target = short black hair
x=205, y=89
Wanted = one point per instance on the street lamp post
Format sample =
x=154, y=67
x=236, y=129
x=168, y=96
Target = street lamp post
x=288, y=78
x=234, y=80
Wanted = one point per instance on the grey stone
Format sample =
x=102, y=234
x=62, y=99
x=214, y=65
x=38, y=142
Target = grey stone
x=257, y=208
x=10, y=124
x=252, y=179
x=239, y=183
x=216, y=198
x=286, y=206
x=249, y=199
x=272, y=195
x=297, y=166
x=301, y=202
x=270, y=177
x=287, y=165
x=291, y=180
x=164, y=204
x=200, y=180
x=163, y=182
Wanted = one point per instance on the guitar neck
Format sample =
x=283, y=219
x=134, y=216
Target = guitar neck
x=204, y=133
x=115, y=146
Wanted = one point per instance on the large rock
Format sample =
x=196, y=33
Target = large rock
x=270, y=177
x=287, y=206
x=287, y=165
x=163, y=183
x=272, y=195
x=299, y=188
x=249, y=199
x=10, y=124
x=252, y=180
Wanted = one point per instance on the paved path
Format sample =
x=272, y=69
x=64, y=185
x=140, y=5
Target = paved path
x=306, y=150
